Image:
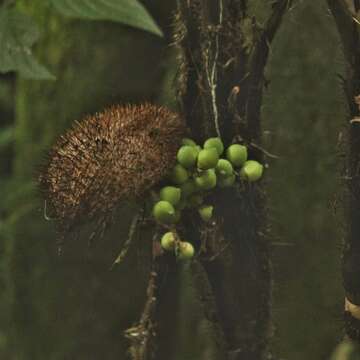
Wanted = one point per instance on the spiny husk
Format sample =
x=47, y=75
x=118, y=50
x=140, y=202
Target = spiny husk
x=117, y=154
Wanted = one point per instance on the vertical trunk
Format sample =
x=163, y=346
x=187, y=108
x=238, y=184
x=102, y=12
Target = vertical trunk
x=348, y=30
x=224, y=53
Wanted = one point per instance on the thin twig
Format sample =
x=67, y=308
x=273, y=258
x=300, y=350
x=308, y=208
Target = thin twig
x=258, y=63
x=267, y=153
x=141, y=334
x=211, y=77
x=128, y=241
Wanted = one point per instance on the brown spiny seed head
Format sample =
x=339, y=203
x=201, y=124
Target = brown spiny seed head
x=117, y=154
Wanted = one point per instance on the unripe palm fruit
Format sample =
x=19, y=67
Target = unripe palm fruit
x=227, y=182
x=224, y=168
x=207, y=158
x=168, y=241
x=186, y=251
x=196, y=200
x=188, y=188
x=179, y=174
x=171, y=194
x=189, y=142
x=251, y=171
x=346, y=350
x=237, y=154
x=206, y=180
x=187, y=156
x=164, y=212
x=206, y=212
x=216, y=143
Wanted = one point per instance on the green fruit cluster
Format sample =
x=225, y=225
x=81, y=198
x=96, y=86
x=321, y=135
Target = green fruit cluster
x=184, y=250
x=198, y=171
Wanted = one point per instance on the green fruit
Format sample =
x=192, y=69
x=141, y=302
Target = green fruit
x=168, y=241
x=206, y=180
x=171, y=194
x=227, y=182
x=206, y=212
x=346, y=350
x=188, y=188
x=224, y=168
x=207, y=158
x=189, y=142
x=251, y=171
x=186, y=156
x=164, y=212
x=196, y=200
x=237, y=154
x=186, y=251
x=216, y=143
x=179, y=174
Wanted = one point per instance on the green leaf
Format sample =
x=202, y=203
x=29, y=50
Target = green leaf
x=128, y=12
x=17, y=34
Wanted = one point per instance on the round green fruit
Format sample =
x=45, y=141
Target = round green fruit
x=346, y=350
x=206, y=180
x=164, y=212
x=186, y=251
x=206, y=212
x=189, y=142
x=168, y=241
x=237, y=154
x=188, y=188
x=227, y=182
x=251, y=171
x=187, y=156
x=207, y=158
x=171, y=194
x=196, y=200
x=216, y=143
x=179, y=174
x=224, y=168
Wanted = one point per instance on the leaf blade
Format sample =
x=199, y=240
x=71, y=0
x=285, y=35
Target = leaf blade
x=127, y=12
x=17, y=35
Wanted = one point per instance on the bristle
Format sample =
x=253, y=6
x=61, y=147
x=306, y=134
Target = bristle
x=114, y=155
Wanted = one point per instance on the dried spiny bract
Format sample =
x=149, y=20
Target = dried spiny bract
x=114, y=155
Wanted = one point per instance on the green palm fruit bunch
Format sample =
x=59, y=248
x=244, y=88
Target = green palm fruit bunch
x=116, y=154
x=199, y=170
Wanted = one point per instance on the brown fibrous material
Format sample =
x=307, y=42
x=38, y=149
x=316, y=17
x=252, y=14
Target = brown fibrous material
x=114, y=155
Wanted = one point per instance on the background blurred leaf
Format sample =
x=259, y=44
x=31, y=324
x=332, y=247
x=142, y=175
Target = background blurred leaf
x=6, y=136
x=17, y=34
x=128, y=12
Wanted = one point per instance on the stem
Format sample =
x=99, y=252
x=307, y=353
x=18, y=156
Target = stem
x=348, y=30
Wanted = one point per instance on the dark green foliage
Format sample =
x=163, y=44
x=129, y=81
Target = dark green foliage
x=18, y=33
x=127, y=12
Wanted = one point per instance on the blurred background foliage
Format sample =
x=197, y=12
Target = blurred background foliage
x=73, y=307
